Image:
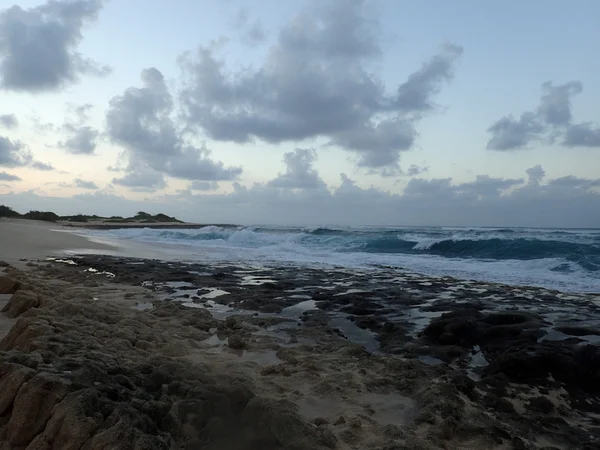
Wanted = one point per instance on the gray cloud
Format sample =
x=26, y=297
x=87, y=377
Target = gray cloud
x=38, y=46
x=573, y=182
x=317, y=80
x=485, y=185
x=299, y=172
x=4, y=176
x=204, y=186
x=140, y=121
x=142, y=179
x=416, y=170
x=13, y=153
x=415, y=94
x=419, y=186
x=81, y=142
x=555, y=104
x=582, y=135
x=551, y=122
x=536, y=174
x=563, y=202
x=509, y=133
x=84, y=184
x=81, y=138
x=251, y=32
x=9, y=121
x=38, y=165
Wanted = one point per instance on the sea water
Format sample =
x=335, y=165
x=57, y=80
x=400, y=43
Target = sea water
x=563, y=259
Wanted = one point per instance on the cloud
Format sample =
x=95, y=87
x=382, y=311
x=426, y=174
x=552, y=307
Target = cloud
x=416, y=93
x=38, y=46
x=83, y=184
x=509, y=133
x=582, y=135
x=142, y=179
x=422, y=187
x=317, y=80
x=140, y=120
x=299, y=172
x=4, y=176
x=13, y=153
x=485, y=185
x=416, y=170
x=204, y=186
x=38, y=165
x=82, y=139
x=555, y=104
x=9, y=121
x=251, y=33
x=536, y=174
x=81, y=142
x=551, y=122
x=561, y=202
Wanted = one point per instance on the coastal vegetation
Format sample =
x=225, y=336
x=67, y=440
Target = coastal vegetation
x=49, y=216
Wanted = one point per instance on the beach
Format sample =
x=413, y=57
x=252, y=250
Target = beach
x=108, y=349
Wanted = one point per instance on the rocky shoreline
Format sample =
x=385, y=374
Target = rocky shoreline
x=117, y=353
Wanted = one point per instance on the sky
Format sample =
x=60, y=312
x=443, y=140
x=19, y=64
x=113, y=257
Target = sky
x=349, y=112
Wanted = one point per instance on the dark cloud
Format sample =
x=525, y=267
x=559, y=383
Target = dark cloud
x=38, y=165
x=84, y=184
x=141, y=122
x=13, y=153
x=38, y=46
x=4, y=176
x=318, y=80
x=551, y=122
x=299, y=172
x=9, y=121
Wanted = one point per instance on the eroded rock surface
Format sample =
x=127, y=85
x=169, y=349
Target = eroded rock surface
x=79, y=375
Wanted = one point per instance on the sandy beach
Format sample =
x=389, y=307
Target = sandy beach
x=107, y=352
x=30, y=239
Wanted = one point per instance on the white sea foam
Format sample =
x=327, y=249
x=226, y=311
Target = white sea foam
x=302, y=246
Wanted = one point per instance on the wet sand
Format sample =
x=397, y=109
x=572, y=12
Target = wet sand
x=32, y=239
x=112, y=352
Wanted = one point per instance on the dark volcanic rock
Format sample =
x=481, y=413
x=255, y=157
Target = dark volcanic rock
x=8, y=285
x=579, y=331
x=461, y=327
x=576, y=367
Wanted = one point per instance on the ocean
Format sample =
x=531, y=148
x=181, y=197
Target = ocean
x=564, y=259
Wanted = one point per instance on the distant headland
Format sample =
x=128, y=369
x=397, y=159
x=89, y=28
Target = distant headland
x=140, y=220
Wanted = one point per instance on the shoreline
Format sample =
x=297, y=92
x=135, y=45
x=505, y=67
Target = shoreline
x=167, y=225
x=32, y=239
